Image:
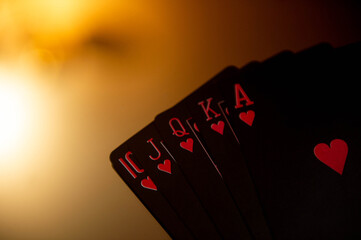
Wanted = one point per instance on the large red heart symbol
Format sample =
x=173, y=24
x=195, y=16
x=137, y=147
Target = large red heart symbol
x=148, y=183
x=165, y=167
x=247, y=117
x=218, y=127
x=333, y=156
x=188, y=144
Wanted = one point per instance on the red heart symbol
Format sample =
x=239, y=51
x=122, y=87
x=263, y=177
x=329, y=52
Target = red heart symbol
x=333, y=156
x=187, y=145
x=196, y=127
x=247, y=117
x=165, y=167
x=218, y=127
x=148, y=183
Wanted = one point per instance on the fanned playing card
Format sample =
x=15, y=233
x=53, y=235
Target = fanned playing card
x=207, y=107
x=143, y=187
x=298, y=122
x=178, y=131
x=151, y=152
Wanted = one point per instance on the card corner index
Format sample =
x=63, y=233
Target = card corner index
x=114, y=155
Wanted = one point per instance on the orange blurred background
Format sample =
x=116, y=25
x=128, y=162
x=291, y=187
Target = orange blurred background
x=78, y=78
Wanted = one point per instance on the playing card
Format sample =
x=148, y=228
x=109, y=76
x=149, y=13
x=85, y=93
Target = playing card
x=143, y=187
x=177, y=129
x=148, y=146
x=205, y=106
x=299, y=129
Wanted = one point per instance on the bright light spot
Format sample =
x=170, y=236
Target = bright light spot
x=12, y=116
x=15, y=118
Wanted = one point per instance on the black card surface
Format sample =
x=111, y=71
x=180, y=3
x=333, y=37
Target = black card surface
x=143, y=187
x=299, y=129
x=150, y=150
x=177, y=129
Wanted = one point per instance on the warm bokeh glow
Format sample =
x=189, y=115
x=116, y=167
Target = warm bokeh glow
x=15, y=114
x=79, y=77
x=22, y=108
x=12, y=123
x=13, y=120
